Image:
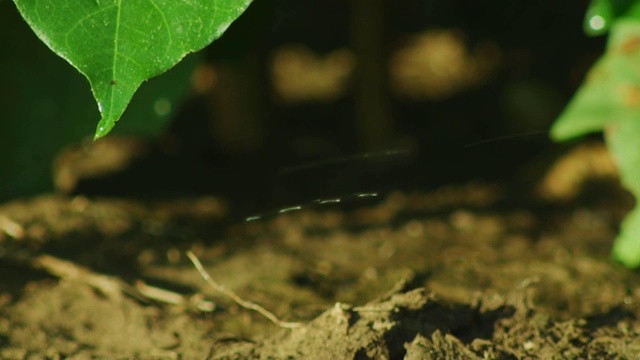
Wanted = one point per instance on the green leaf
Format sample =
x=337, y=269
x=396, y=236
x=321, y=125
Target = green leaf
x=610, y=100
x=119, y=44
x=626, y=248
x=622, y=141
x=611, y=91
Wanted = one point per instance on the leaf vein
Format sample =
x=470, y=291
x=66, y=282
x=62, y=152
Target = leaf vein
x=166, y=26
x=115, y=55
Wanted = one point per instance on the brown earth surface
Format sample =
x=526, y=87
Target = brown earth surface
x=462, y=272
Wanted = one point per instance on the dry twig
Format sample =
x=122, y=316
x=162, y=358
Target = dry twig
x=113, y=287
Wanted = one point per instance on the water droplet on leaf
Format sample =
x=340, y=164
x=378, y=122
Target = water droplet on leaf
x=598, y=17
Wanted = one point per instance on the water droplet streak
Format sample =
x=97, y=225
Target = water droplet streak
x=311, y=204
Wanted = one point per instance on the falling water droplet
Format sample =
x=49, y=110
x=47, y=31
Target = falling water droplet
x=162, y=107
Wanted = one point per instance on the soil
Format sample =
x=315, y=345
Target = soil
x=470, y=271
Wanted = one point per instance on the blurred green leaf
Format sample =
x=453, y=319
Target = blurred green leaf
x=609, y=99
x=119, y=44
x=611, y=91
x=622, y=140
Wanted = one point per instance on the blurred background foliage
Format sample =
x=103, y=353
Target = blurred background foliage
x=309, y=82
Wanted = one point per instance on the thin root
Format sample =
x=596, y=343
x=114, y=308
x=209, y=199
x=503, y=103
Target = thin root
x=243, y=303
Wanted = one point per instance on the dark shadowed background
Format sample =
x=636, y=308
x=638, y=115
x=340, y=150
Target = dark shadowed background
x=302, y=100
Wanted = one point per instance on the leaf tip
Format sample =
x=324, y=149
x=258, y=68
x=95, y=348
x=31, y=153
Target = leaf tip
x=626, y=248
x=558, y=132
x=102, y=130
